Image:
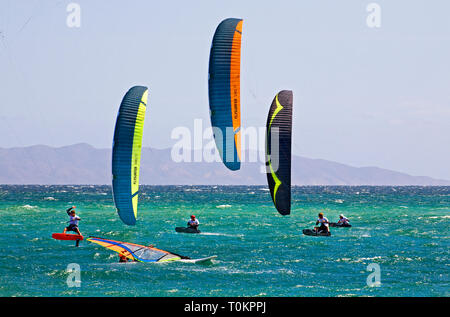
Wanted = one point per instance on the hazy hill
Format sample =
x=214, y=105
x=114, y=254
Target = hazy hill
x=84, y=164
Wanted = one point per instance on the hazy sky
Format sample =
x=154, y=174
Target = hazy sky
x=362, y=96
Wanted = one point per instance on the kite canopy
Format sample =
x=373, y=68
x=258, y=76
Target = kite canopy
x=136, y=252
x=278, y=151
x=224, y=91
x=126, y=153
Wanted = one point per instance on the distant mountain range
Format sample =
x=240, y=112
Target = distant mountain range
x=84, y=164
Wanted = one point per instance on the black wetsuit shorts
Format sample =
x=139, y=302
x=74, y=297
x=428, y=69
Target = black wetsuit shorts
x=72, y=227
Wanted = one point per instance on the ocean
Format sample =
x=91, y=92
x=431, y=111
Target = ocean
x=398, y=245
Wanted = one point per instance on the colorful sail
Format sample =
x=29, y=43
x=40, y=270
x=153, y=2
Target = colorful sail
x=126, y=153
x=224, y=91
x=278, y=151
x=136, y=252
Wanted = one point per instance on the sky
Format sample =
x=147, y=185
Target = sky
x=363, y=96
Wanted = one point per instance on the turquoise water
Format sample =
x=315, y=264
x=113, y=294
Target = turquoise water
x=405, y=230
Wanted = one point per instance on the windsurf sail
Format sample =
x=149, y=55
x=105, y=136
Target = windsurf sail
x=224, y=91
x=278, y=151
x=126, y=153
x=136, y=252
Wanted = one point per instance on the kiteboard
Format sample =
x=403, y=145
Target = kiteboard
x=187, y=230
x=337, y=225
x=66, y=236
x=309, y=232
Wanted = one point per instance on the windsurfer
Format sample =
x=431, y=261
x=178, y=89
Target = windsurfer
x=122, y=258
x=323, y=224
x=193, y=223
x=73, y=222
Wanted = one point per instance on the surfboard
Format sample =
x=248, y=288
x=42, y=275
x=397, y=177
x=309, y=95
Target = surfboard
x=199, y=261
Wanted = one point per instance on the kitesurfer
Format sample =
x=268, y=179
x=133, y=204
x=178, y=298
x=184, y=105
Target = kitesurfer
x=73, y=222
x=193, y=223
x=323, y=224
x=343, y=220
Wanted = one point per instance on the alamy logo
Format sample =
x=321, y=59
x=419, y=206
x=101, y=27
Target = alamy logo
x=74, y=278
x=373, y=20
x=213, y=144
x=74, y=17
x=374, y=278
